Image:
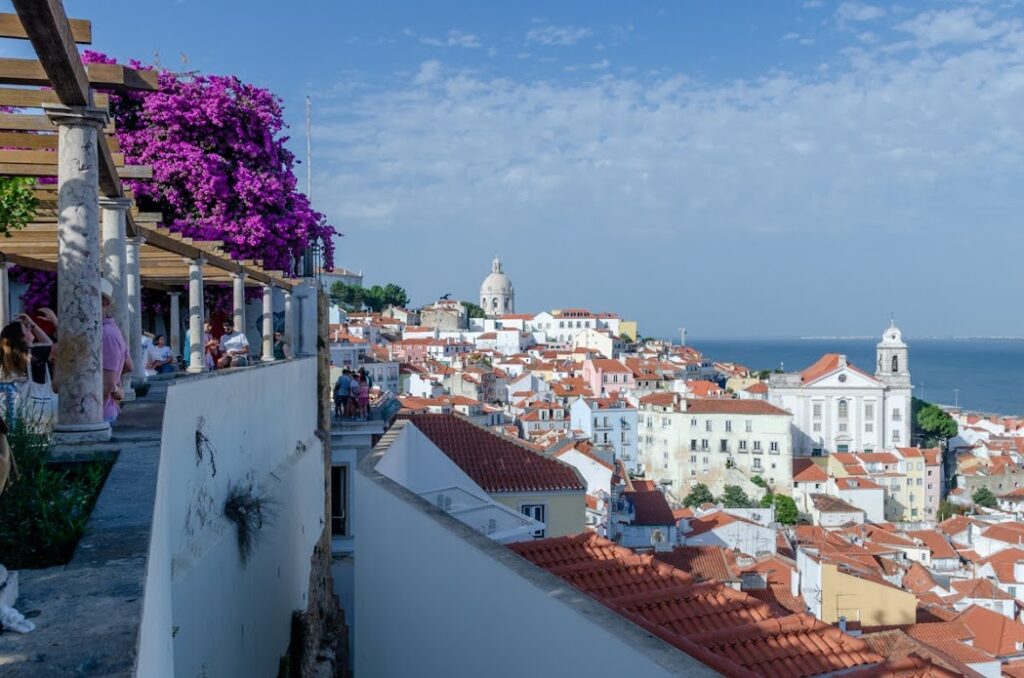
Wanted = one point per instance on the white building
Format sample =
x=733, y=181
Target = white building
x=497, y=297
x=611, y=425
x=716, y=442
x=837, y=407
x=719, y=528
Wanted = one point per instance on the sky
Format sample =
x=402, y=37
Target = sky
x=743, y=169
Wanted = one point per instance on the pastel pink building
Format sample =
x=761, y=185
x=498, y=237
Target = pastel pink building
x=605, y=376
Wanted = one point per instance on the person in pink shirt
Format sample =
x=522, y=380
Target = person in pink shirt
x=116, y=359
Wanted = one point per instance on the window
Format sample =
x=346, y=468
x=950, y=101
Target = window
x=606, y=422
x=929, y=486
x=705, y=460
x=895, y=364
x=773, y=446
x=743, y=446
x=597, y=422
x=817, y=427
x=757, y=463
x=844, y=409
x=842, y=448
x=749, y=425
x=920, y=482
x=723, y=445
x=896, y=416
x=693, y=458
x=693, y=443
x=625, y=439
x=704, y=444
x=869, y=411
x=869, y=427
x=728, y=425
x=693, y=471
x=757, y=446
x=929, y=471
x=817, y=410
x=535, y=511
x=895, y=436
x=707, y=425
x=339, y=501
x=842, y=427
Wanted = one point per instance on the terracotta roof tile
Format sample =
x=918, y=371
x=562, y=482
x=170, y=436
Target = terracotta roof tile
x=806, y=471
x=496, y=463
x=650, y=508
x=993, y=633
x=703, y=563
x=979, y=588
x=936, y=543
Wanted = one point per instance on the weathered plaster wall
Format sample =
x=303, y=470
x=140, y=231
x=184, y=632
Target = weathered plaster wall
x=206, y=612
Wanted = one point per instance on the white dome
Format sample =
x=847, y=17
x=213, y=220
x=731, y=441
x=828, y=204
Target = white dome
x=496, y=293
x=892, y=336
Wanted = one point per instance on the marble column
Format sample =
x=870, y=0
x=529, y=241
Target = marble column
x=289, y=321
x=134, y=294
x=174, y=331
x=5, y=294
x=115, y=269
x=238, y=299
x=80, y=358
x=268, y=323
x=196, y=315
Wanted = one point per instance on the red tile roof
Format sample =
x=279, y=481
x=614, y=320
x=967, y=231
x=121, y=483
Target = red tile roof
x=714, y=521
x=733, y=406
x=1009, y=533
x=857, y=484
x=993, y=633
x=650, y=508
x=703, y=563
x=897, y=645
x=936, y=543
x=806, y=471
x=496, y=463
x=609, y=365
x=725, y=629
x=759, y=387
x=829, y=504
x=827, y=364
x=918, y=579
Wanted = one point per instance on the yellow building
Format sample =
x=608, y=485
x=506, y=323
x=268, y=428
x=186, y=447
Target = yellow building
x=868, y=601
x=628, y=328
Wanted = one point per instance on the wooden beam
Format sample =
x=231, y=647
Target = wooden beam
x=40, y=157
x=36, y=123
x=40, y=141
x=111, y=76
x=49, y=31
x=11, y=27
x=30, y=262
x=135, y=172
x=35, y=98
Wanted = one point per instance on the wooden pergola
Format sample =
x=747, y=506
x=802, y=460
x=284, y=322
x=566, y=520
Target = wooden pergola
x=56, y=113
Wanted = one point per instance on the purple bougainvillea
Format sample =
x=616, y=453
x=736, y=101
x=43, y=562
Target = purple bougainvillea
x=220, y=172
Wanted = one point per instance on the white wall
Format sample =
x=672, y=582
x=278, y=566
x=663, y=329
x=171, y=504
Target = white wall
x=206, y=612
x=466, y=606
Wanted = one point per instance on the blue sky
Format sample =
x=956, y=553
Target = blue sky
x=741, y=168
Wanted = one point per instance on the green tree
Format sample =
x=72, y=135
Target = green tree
x=948, y=509
x=474, y=310
x=933, y=423
x=759, y=481
x=395, y=295
x=984, y=497
x=17, y=203
x=785, y=508
x=348, y=297
x=700, y=494
x=733, y=496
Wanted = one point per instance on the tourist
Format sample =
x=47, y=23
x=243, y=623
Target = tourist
x=158, y=357
x=25, y=369
x=363, y=396
x=234, y=347
x=116, y=360
x=211, y=347
x=281, y=348
x=342, y=391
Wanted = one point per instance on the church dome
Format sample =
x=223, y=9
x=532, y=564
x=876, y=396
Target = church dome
x=892, y=336
x=497, y=282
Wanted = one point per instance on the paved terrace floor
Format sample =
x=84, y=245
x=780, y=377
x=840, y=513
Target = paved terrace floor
x=89, y=611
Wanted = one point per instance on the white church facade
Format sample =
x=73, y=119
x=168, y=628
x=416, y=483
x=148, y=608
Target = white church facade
x=838, y=407
x=497, y=297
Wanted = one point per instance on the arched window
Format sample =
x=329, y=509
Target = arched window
x=895, y=364
x=494, y=303
x=506, y=303
x=844, y=409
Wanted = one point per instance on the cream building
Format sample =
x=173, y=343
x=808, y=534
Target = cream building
x=715, y=441
x=838, y=407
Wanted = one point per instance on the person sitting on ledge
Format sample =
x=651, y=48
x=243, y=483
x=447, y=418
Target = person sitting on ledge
x=158, y=356
x=234, y=347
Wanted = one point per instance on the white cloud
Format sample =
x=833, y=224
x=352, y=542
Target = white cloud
x=455, y=38
x=963, y=25
x=886, y=151
x=859, y=11
x=812, y=4
x=560, y=36
x=791, y=36
x=600, y=65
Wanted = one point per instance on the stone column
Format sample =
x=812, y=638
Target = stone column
x=134, y=293
x=5, y=294
x=174, y=331
x=80, y=358
x=289, y=321
x=115, y=269
x=195, y=315
x=268, y=323
x=238, y=299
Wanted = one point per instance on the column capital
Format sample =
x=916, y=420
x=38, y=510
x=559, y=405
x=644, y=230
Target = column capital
x=84, y=116
x=171, y=293
x=120, y=204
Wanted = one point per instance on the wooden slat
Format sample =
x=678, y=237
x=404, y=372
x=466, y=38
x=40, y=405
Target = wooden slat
x=31, y=262
x=10, y=27
x=135, y=172
x=36, y=123
x=35, y=98
x=38, y=141
x=39, y=157
x=109, y=76
x=49, y=31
